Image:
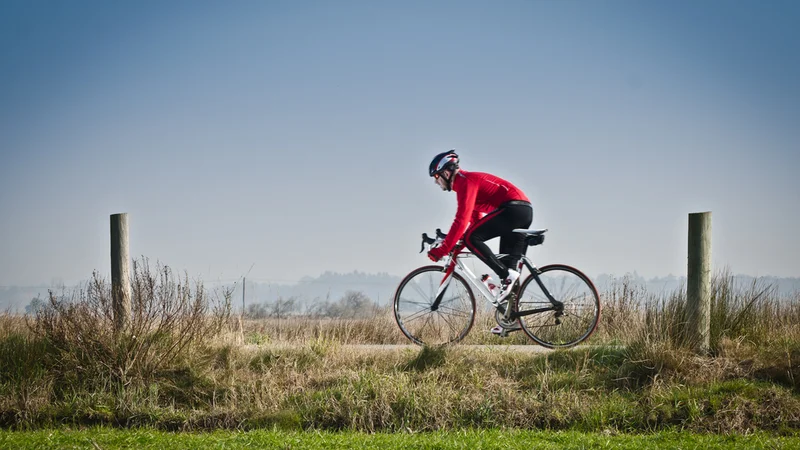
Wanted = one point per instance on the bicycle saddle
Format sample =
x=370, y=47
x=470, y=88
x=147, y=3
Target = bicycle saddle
x=529, y=232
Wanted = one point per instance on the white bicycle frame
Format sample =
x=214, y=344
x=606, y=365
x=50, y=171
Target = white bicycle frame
x=461, y=269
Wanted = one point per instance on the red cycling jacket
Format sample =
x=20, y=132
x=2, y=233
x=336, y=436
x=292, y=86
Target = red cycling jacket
x=478, y=194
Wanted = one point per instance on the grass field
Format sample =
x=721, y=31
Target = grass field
x=103, y=438
x=186, y=365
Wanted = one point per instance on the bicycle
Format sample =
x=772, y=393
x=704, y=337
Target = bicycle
x=556, y=306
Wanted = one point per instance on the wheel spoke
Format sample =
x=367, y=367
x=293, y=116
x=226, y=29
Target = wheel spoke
x=449, y=324
x=420, y=291
x=423, y=304
x=581, y=307
x=450, y=300
x=427, y=322
x=455, y=312
x=452, y=319
x=417, y=315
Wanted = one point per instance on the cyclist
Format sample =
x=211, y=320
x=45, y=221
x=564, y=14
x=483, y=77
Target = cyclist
x=488, y=207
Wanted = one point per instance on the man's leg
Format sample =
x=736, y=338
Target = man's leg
x=513, y=244
x=490, y=226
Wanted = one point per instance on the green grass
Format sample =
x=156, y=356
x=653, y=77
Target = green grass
x=332, y=388
x=106, y=438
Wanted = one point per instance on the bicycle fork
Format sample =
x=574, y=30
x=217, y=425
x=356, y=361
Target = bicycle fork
x=451, y=267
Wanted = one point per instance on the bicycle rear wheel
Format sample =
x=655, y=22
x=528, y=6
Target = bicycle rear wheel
x=413, y=302
x=559, y=327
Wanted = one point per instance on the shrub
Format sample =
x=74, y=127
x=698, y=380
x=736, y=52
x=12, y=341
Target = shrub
x=170, y=318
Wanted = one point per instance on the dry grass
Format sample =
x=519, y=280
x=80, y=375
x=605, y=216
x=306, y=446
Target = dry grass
x=378, y=329
x=756, y=314
x=231, y=374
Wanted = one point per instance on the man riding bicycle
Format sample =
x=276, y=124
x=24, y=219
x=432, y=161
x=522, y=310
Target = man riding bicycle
x=488, y=207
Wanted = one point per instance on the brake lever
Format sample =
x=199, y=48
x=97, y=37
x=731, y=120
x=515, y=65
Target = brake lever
x=425, y=240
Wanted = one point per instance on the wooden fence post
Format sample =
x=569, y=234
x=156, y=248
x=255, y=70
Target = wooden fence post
x=698, y=284
x=120, y=272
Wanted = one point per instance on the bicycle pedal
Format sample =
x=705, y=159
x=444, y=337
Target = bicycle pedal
x=503, y=332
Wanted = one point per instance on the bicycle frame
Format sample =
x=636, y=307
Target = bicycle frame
x=456, y=264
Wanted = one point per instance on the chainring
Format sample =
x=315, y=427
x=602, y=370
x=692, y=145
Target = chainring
x=500, y=318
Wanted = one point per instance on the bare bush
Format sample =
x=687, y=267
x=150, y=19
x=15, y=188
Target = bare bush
x=169, y=315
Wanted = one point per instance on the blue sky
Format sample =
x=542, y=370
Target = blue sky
x=294, y=137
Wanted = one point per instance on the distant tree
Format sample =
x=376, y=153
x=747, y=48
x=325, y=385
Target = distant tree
x=257, y=311
x=35, y=306
x=282, y=308
x=279, y=309
x=356, y=304
x=316, y=307
x=353, y=304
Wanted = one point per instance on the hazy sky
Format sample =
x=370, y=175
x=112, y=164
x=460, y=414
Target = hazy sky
x=294, y=136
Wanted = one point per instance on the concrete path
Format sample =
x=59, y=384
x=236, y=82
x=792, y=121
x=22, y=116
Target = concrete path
x=494, y=348
x=533, y=348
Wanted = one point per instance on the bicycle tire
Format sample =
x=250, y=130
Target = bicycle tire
x=581, y=312
x=450, y=323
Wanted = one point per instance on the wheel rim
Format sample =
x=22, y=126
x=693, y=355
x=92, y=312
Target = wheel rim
x=450, y=322
x=569, y=326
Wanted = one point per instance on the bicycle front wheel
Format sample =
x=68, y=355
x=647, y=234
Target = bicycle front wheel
x=563, y=325
x=416, y=316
